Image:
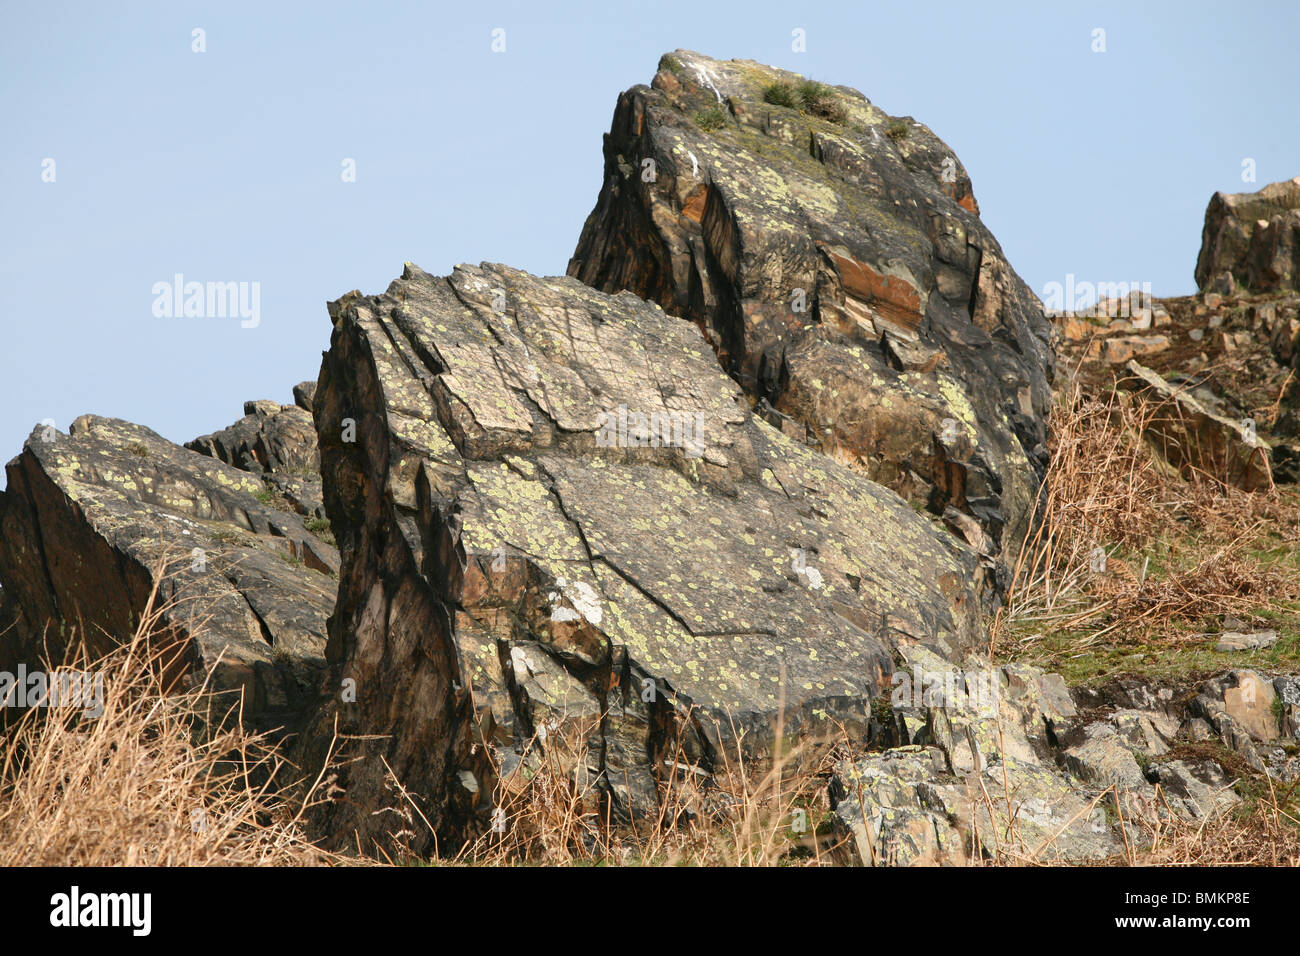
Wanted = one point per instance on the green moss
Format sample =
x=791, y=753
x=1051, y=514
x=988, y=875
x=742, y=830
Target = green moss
x=1143, y=760
x=882, y=712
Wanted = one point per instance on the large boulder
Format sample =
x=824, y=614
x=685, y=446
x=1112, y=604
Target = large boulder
x=558, y=518
x=1251, y=241
x=835, y=259
x=95, y=519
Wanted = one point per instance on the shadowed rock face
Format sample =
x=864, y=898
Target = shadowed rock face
x=557, y=517
x=1251, y=241
x=835, y=259
x=88, y=515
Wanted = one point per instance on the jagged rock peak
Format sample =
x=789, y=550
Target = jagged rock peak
x=835, y=259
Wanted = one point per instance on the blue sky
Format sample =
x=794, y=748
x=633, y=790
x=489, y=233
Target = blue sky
x=226, y=165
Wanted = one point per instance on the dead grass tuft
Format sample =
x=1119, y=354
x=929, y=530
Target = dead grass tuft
x=1124, y=544
x=550, y=812
x=149, y=781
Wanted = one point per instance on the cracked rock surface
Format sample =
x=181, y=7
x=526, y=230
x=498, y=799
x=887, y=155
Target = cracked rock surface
x=835, y=258
x=558, y=516
x=84, y=522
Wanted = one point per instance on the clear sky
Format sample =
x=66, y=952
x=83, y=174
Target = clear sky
x=228, y=165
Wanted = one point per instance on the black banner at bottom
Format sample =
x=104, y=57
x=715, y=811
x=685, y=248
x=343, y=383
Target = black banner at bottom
x=344, y=904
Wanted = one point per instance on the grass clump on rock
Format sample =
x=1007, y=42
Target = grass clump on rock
x=808, y=96
x=820, y=100
x=711, y=118
x=781, y=93
x=671, y=64
x=321, y=528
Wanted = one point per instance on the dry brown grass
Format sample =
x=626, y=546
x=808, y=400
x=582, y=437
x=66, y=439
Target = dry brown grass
x=1108, y=491
x=1266, y=833
x=551, y=813
x=150, y=781
x=1262, y=832
x=129, y=788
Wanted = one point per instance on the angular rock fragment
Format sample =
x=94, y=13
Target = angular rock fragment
x=1288, y=690
x=978, y=784
x=84, y=523
x=1119, y=351
x=559, y=518
x=835, y=259
x=277, y=442
x=1199, y=787
x=1103, y=758
x=1245, y=641
x=1240, y=706
x=1195, y=439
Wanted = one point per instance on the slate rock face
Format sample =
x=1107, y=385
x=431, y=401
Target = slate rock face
x=84, y=522
x=835, y=259
x=1251, y=241
x=557, y=515
x=277, y=442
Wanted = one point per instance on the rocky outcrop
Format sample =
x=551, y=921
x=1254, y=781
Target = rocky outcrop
x=278, y=443
x=1221, y=375
x=580, y=536
x=1015, y=767
x=1194, y=438
x=95, y=519
x=835, y=259
x=1251, y=241
x=558, y=518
